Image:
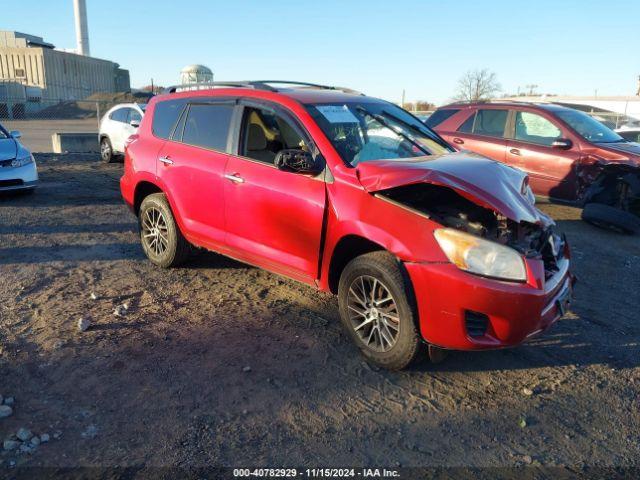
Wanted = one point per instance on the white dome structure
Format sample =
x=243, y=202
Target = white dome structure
x=195, y=74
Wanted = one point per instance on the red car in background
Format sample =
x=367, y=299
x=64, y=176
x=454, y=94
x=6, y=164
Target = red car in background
x=355, y=196
x=568, y=155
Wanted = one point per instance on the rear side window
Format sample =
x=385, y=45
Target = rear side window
x=207, y=126
x=165, y=116
x=119, y=115
x=440, y=116
x=488, y=122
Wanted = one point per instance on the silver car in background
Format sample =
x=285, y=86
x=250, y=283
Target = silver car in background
x=18, y=169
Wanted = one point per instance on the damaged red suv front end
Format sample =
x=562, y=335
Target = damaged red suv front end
x=458, y=308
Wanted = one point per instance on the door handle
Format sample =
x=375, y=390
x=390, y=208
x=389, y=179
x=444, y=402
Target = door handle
x=235, y=178
x=514, y=151
x=457, y=140
x=166, y=160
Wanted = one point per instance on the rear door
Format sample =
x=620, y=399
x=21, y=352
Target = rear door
x=191, y=165
x=483, y=132
x=273, y=218
x=551, y=170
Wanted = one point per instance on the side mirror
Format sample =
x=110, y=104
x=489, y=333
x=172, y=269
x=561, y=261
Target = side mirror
x=134, y=123
x=15, y=134
x=295, y=160
x=562, y=144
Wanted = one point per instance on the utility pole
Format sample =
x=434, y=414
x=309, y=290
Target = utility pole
x=402, y=102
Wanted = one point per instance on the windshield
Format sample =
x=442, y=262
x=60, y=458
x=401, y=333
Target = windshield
x=589, y=128
x=3, y=133
x=365, y=132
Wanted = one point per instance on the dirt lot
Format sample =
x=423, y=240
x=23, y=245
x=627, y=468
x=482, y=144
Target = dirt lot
x=167, y=383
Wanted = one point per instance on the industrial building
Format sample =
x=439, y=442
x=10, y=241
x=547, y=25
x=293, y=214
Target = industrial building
x=33, y=70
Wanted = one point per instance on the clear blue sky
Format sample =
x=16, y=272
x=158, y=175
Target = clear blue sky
x=378, y=47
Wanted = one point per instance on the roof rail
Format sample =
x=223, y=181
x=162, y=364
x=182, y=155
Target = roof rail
x=255, y=84
x=208, y=85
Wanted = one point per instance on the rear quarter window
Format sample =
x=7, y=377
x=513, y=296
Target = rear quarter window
x=165, y=115
x=440, y=116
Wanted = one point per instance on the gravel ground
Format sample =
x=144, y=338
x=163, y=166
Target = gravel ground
x=222, y=364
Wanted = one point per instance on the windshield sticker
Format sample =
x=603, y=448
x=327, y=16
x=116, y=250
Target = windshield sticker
x=337, y=113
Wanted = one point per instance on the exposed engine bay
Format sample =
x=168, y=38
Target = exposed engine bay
x=445, y=206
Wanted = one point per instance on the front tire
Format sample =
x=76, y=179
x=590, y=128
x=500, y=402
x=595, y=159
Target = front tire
x=377, y=309
x=161, y=239
x=606, y=216
x=106, y=150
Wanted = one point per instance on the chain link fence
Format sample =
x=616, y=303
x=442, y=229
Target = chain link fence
x=38, y=121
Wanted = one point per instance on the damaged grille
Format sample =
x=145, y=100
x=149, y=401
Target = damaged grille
x=450, y=209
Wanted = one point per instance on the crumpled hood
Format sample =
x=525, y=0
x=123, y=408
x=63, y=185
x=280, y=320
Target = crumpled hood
x=485, y=182
x=8, y=149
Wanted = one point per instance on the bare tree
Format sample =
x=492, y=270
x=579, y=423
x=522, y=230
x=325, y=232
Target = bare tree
x=476, y=85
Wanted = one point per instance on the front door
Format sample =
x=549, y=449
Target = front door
x=273, y=218
x=191, y=165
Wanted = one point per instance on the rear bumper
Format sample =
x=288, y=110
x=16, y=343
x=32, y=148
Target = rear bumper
x=447, y=298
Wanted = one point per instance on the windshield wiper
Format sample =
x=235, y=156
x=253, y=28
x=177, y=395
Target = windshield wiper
x=382, y=121
x=414, y=127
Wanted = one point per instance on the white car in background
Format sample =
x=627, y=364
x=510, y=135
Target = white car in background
x=118, y=124
x=18, y=169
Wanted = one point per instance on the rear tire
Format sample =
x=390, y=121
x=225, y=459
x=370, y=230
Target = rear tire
x=162, y=241
x=106, y=150
x=384, y=330
x=606, y=216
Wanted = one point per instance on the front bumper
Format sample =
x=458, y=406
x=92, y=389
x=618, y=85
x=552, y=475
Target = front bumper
x=447, y=298
x=18, y=178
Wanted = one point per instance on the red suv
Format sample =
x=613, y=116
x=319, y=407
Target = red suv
x=567, y=154
x=354, y=196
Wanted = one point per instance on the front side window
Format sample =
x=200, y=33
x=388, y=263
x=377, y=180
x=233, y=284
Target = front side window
x=265, y=134
x=365, y=132
x=588, y=127
x=134, y=116
x=534, y=128
x=488, y=122
x=207, y=126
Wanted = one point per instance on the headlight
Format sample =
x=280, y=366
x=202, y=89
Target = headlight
x=476, y=255
x=22, y=161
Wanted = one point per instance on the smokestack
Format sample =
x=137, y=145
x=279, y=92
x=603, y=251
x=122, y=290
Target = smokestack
x=82, y=28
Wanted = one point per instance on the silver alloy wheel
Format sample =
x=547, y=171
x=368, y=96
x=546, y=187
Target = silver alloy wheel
x=155, y=233
x=105, y=149
x=373, y=313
